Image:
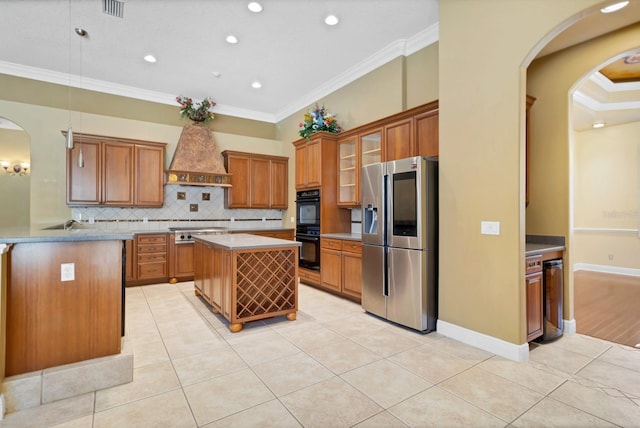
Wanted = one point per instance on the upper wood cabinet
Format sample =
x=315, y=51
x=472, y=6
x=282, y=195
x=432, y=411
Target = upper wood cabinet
x=427, y=129
x=109, y=171
x=349, y=171
x=257, y=181
x=398, y=140
x=314, y=159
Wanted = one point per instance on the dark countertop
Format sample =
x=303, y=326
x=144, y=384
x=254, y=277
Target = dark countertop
x=19, y=235
x=238, y=241
x=344, y=236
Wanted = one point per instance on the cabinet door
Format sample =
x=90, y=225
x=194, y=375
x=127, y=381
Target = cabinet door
x=370, y=147
x=260, y=182
x=117, y=168
x=399, y=142
x=217, y=277
x=149, y=176
x=183, y=260
x=208, y=272
x=83, y=178
x=348, y=172
x=427, y=133
x=314, y=163
x=238, y=196
x=352, y=274
x=331, y=272
x=279, y=184
x=301, y=166
x=534, y=305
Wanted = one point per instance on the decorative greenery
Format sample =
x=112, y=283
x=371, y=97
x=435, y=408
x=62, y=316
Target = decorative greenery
x=318, y=120
x=198, y=113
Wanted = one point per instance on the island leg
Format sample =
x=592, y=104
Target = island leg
x=291, y=316
x=235, y=327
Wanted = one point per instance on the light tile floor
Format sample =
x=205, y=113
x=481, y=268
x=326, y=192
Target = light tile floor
x=336, y=366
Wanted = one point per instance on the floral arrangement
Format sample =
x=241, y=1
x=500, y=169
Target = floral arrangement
x=318, y=120
x=198, y=113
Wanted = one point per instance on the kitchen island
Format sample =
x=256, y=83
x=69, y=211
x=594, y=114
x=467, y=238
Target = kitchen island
x=247, y=277
x=63, y=294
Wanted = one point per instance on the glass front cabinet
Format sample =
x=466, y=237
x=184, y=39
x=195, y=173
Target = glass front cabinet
x=354, y=152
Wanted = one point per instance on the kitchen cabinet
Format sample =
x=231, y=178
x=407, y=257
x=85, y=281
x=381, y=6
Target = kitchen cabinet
x=427, y=127
x=349, y=171
x=107, y=171
x=151, y=256
x=399, y=140
x=533, y=284
x=180, y=260
x=258, y=181
x=309, y=160
x=341, y=271
x=370, y=147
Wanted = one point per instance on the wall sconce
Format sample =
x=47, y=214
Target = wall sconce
x=19, y=168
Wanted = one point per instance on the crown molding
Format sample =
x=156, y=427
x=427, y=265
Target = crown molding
x=590, y=103
x=402, y=47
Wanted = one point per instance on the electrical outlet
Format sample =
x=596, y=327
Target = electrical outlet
x=145, y=219
x=67, y=271
x=292, y=220
x=232, y=219
x=264, y=219
x=92, y=220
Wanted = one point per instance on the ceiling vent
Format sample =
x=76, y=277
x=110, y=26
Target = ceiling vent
x=113, y=7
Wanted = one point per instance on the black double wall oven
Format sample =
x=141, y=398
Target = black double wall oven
x=308, y=228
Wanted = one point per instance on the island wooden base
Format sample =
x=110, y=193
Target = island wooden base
x=51, y=321
x=247, y=284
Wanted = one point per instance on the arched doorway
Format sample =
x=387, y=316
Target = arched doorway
x=15, y=174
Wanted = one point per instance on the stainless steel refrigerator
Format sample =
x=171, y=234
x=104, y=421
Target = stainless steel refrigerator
x=399, y=237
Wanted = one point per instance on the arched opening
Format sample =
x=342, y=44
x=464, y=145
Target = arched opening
x=15, y=175
x=604, y=176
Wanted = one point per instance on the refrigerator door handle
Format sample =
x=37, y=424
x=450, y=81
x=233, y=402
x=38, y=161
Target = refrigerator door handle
x=386, y=224
x=385, y=275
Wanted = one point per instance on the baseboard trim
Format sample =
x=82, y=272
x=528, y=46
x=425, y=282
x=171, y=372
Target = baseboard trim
x=487, y=343
x=606, y=269
x=569, y=326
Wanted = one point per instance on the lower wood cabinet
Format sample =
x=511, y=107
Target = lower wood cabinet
x=341, y=267
x=533, y=287
x=148, y=259
x=181, y=262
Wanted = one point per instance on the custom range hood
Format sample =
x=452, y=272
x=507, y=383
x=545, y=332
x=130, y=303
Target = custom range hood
x=197, y=160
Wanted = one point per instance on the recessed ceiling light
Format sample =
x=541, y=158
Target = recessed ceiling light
x=614, y=7
x=216, y=73
x=81, y=32
x=231, y=39
x=254, y=6
x=150, y=58
x=331, y=20
x=256, y=85
x=598, y=124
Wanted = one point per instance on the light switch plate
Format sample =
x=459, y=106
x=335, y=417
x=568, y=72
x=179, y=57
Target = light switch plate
x=67, y=271
x=490, y=227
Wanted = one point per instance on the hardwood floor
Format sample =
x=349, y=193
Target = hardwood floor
x=607, y=306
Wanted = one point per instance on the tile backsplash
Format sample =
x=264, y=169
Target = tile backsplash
x=202, y=205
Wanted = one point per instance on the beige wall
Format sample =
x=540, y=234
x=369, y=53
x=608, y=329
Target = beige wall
x=482, y=157
x=605, y=196
x=551, y=80
x=14, y=190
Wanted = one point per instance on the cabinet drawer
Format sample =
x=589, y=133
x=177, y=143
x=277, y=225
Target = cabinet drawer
x=335, y=244
x=151, y=258
x=152, y=270
x=352, y=246
x=152, y=239
x=152, y=248
x=533, y=264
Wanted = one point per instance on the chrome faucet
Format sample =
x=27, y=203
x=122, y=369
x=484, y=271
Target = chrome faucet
x=68, y=225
